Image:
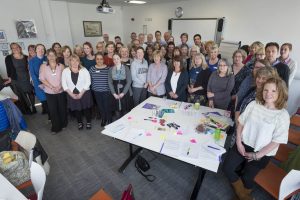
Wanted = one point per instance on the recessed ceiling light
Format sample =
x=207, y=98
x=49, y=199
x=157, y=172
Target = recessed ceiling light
x=135, y=2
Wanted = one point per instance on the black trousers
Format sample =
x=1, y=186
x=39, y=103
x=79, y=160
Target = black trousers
x=57, y=107
x=235, y=162
x=103, y=101
x=86, y=112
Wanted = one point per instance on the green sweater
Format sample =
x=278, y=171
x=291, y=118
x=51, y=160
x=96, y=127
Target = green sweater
x=293, y=162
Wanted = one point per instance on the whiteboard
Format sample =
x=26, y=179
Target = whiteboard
x=206, y=27
x=227, y=48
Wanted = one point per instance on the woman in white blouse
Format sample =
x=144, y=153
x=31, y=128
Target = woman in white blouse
x=76, y=82
x=262, y=127
x=177, y=81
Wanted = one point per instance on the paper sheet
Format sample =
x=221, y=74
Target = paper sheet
x=189, y=150
x=116, y=127
x=134, y=134
x=170, y=148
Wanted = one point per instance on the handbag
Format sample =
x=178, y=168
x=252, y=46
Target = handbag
x=5, y=141
x=142, y=166
x=128, y=193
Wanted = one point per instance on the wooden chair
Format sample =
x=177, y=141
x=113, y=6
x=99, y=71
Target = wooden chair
x=270, y=178
x=101, y=195
x=294, y=136
x=295, y=120
x=283, y=152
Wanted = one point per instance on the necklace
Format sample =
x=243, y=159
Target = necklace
x=53, y=69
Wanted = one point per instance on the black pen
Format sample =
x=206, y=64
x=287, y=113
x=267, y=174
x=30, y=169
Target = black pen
x=188, y=151
x=213, y=147
x=162, y=146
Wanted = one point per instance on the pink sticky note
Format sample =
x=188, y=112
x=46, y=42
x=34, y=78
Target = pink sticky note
x=193, y=141
x=148, y=134
x=179, y=133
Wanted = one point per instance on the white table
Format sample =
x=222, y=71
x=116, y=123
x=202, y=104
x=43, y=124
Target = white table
x=8, y=191
x=136, y=128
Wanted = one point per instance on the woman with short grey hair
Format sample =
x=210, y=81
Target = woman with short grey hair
x=220, y=85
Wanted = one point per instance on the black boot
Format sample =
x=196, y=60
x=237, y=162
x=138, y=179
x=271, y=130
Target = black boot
x=44, y=107
x=103, y=122
x=33, y=110
x=109, y=121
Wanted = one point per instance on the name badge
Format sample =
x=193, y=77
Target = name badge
x=97, y=71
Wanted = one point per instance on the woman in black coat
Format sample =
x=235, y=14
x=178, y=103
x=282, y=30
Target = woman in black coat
x=19, y=79
x=177, y=81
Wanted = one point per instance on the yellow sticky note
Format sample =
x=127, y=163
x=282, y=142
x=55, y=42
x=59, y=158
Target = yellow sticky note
x=163, y=136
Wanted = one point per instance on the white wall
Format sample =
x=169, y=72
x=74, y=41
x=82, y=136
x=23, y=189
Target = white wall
x=12, y=10
x=111, y=23
x=56, y=21
x=246, y=21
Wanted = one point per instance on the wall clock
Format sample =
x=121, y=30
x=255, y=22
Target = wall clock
x=178, y=12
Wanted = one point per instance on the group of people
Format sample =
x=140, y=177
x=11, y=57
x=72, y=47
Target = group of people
x=118, y=77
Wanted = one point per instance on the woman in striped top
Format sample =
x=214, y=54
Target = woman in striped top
x=99, y=80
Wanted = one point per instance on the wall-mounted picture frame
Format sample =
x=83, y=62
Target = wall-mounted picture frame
x=3, y=36
x=92, y=28
x=5, y=53
x=26, y=29
x=4, y=46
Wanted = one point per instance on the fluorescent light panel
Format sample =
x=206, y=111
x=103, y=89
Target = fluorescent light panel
x=136, y=2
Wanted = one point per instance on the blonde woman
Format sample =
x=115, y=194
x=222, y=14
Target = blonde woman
x=220, y=85
x=156, y=76
x=100, y=48
x=208, y=44
x=78, y=50
x=253, y=47
x=76, y=82
x=213, y=59
x=19, y=79
x=199, y=75
x=124, y=52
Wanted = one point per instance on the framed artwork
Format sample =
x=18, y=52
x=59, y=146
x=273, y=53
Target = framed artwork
x=92, y=28
x=5, y=53
x=26, y=29
x=3, y=36
x=4, y=46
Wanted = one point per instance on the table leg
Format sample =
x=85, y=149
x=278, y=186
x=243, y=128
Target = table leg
x=198, y=184
x=132, y=155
